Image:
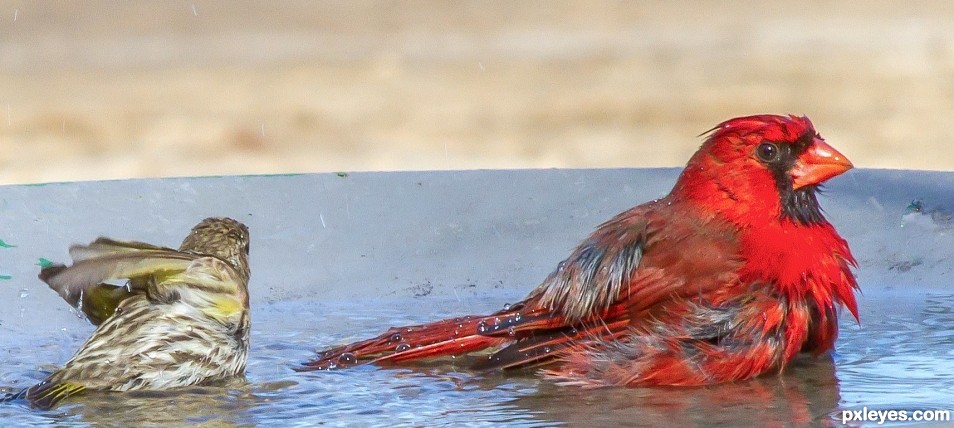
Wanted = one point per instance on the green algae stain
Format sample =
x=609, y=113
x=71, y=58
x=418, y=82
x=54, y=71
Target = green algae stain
x=51, y=183
x=3, y=244
x=44, y=263
x=5, y=276
x=293, y=174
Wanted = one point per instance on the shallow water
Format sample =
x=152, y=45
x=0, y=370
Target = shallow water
x=901, y=357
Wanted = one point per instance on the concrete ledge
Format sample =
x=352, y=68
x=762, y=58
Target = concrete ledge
x=356, y=235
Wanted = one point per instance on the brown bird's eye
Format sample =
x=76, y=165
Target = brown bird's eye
x=767, y=152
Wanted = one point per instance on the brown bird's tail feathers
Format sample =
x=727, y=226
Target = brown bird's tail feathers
x=45, y=395
x=517, y=338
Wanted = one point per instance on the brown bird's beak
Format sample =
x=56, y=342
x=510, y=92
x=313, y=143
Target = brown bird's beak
x=819, y=163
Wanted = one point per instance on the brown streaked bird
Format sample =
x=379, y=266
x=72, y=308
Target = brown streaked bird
x=728, y=277
x=181, y=319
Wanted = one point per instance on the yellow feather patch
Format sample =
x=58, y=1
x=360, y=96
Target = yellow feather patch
x=222, y=307
x=47, y=395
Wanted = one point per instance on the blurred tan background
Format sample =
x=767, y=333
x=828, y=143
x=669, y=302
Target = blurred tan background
x=104, y=90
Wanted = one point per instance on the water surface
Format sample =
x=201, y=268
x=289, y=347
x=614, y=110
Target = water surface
x=901, y=357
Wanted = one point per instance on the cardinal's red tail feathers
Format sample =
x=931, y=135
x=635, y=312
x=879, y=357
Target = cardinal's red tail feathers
x=525, y=337
x=449, y=337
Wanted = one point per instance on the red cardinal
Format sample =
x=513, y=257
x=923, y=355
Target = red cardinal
x=726, y=278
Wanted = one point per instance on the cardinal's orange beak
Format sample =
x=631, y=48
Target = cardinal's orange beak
x=819, y=163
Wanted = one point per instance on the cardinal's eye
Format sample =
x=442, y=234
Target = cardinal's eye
x=767, y=152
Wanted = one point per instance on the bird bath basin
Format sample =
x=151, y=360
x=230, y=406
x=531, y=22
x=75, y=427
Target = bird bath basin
x=337, y=257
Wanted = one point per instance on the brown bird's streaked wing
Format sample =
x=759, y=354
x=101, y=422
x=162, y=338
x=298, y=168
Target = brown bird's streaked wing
x=100, y=300
x=73, y=281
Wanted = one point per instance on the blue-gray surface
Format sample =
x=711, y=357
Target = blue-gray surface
x=337, y=256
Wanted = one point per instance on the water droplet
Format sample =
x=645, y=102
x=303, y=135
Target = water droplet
x=460, y=325
x=546, y=350
x=506, y=306
x=561, y=266
x=517, y=316
x=24, y=292
x=347, y=358
x=396, y=337
x=189, y=329
x=482, y=327
x=404, y=346
x=511, y=331
x=573, y=332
